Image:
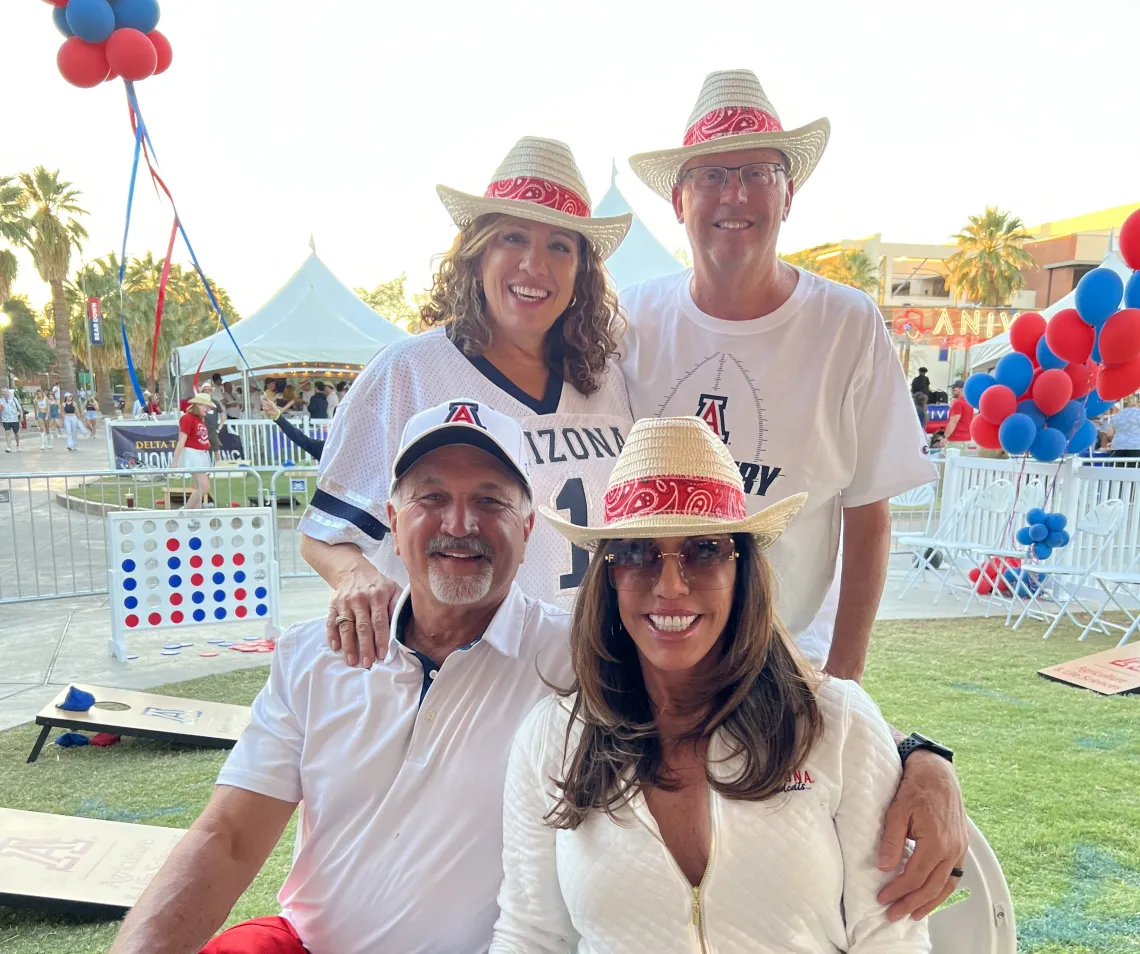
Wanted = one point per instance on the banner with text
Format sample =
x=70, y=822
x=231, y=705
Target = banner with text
x=154, y=446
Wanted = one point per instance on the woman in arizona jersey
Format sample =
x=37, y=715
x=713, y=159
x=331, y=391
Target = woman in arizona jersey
x=522, y=320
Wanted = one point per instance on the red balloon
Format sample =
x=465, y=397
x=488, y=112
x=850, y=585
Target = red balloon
x=164, y=50
x=983, y=433
x=985, y=587
x=131, y=54
x=1025, y=332
x=82, y=64
x=997, y=403
x=974, y=574
x=112, y=76
x=1081, y=376
x=57, y=3
x=1069, y=337
x=1116, y=381
x=1120, y=337
x=1129, y=241
x=1052, y=391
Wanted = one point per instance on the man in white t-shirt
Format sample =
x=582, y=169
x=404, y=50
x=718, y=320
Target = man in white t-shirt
x=401, y=767
x=799, y=378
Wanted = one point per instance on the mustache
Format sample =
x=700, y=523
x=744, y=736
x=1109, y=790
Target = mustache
x=470, y=544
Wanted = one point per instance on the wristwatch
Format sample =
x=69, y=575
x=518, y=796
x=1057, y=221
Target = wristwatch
x=914, y=741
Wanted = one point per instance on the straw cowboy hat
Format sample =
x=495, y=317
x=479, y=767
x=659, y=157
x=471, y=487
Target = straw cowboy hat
x=539, y=181
x=733, y=112
x=675, y=478
x=204, y=399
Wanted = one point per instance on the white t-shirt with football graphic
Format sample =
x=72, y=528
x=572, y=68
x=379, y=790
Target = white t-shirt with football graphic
x=810, y=398
x=573, y=441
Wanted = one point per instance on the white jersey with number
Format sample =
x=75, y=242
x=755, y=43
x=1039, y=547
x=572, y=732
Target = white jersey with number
x=573, y=442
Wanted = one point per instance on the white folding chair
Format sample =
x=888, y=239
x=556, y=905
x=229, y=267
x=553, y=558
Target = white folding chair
x=983, y=923
x=926, y=548
x=997, y=500
x=1099, y=524
x=1112, y=583
x=913, y=502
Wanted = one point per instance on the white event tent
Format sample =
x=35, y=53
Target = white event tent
x=640, y=257
x=985, y=355
x=314, y=322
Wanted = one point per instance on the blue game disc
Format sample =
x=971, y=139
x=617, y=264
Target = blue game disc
x=185, y=645
x=225, y=643
x=251, y=639
x=171, y=652
x=172, y=646
x=129, y=658
x=215, y=642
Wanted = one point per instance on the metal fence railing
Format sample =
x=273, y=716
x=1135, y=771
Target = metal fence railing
x=289, y=491
x=52, y=528
x=263, y=444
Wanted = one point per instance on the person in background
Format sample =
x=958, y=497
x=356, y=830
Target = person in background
x=138, y=409
x=193, y=447
x=91, y=412
x=55, y=422
x=289, y=402
x=920, y=406
x=231, y=402
x=11, y=413
x=313, y=445
x=41, y=407
x=319, y=402
x=71, y=420
x=1103, y=431
x=215, y=416
x=961, y=417
x=921, y=383
x=154, y=408
x=305, y=396
x=1124, y=429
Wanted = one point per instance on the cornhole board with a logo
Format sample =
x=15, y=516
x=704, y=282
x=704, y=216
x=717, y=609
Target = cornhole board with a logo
x=147, y=716
x=1111, y=673
x=81, y=866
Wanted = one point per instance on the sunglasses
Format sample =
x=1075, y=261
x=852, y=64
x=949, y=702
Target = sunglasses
x=705, y=563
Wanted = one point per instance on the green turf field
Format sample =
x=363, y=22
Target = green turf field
x=1051, y=774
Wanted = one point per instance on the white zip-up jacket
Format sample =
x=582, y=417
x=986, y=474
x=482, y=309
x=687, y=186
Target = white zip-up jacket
x=792, y=875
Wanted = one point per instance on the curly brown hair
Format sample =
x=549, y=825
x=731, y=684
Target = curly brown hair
x=578, y=344
x=761, y=694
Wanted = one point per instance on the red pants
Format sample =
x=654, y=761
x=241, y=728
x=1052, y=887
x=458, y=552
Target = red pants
x=260, y=936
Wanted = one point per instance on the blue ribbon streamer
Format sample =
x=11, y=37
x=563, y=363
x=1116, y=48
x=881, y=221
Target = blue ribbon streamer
x=131, y=364
x=130, y=205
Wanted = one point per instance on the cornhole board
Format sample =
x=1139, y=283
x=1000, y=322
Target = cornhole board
x=1112, y=672
x=190, y=568
x=81, y=866
x=147, y=716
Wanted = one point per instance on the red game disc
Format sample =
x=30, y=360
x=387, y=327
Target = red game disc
x=239, y=558
x=154, y=619
x=195, y=561
x=217, y=559
x=132, y=620
x=208, y=655
x=171, y=545
x=241, y=611
x=176, y=616
x=196, y=579
x=176, y=599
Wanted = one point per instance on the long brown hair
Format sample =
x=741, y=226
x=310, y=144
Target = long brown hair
x=760, y=694
x=579, y=342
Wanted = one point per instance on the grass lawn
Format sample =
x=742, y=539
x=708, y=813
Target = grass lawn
x=227, y=488
x=1050, y=773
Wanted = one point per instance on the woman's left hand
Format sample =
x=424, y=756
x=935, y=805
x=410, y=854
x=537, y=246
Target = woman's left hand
x=927, y=808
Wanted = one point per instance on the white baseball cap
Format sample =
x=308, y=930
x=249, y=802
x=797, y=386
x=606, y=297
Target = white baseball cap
x=464, y=422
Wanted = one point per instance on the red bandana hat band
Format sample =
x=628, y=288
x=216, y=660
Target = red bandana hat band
x=731, y=121
x=684, y=496
x=540, y=192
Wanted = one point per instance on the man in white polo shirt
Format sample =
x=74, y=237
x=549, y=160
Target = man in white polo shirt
x=388, y=760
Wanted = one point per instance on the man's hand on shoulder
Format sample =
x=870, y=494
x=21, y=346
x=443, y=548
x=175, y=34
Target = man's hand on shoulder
x=928, y=809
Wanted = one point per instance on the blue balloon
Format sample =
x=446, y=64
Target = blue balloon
x=1038, y=532
x=1095, y=356
x=1046, y=358
x=1098, y=295
x=1010, y=574
x=1065, y=538
x=1016, y=433
x=1028, y=407
x=90, y=20
x=59, y=15
x=1083, y=439
x=1095, y=405
x=976, y=384
x=1015, y=371
x=1048, y=445
x=1068, y=419
x=1036, y=515
x=1023, y=537
x=1132, y=291
x=1043, y=551
x=1056, y=521
x=141, y=15
x=1055, y=539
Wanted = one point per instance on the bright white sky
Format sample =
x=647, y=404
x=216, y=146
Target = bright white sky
x=337, y=118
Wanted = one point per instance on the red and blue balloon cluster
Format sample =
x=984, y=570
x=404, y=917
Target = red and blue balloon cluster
x=1041, y=398
x=108, y=39
x=1043, y=533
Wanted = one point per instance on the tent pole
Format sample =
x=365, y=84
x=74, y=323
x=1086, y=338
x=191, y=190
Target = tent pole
x=245, y=391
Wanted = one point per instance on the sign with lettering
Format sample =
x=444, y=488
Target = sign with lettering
x=1110, y=673
x=95, y=320
x=153, y=446
x=950, y=327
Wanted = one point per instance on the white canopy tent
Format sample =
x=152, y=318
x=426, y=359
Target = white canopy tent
x=640, y=257
x=985, y=355
x=314, y=321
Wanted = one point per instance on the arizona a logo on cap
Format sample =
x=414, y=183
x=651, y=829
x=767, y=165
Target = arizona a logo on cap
x=464, y=412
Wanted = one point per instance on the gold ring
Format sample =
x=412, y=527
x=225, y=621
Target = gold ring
x=343, y=619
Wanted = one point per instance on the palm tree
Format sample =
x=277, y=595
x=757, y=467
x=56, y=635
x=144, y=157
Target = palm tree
x=852, y=267
x=986, y=269
x=8, y=269
x=50, y=231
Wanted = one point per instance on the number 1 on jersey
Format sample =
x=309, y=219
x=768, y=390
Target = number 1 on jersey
x=572, y=497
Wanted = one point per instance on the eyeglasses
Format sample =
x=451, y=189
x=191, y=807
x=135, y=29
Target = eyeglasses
x=704, y=563
x=713, y=178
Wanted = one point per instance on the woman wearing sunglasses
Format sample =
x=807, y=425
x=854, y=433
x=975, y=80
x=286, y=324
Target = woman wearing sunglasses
x=699, y=788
